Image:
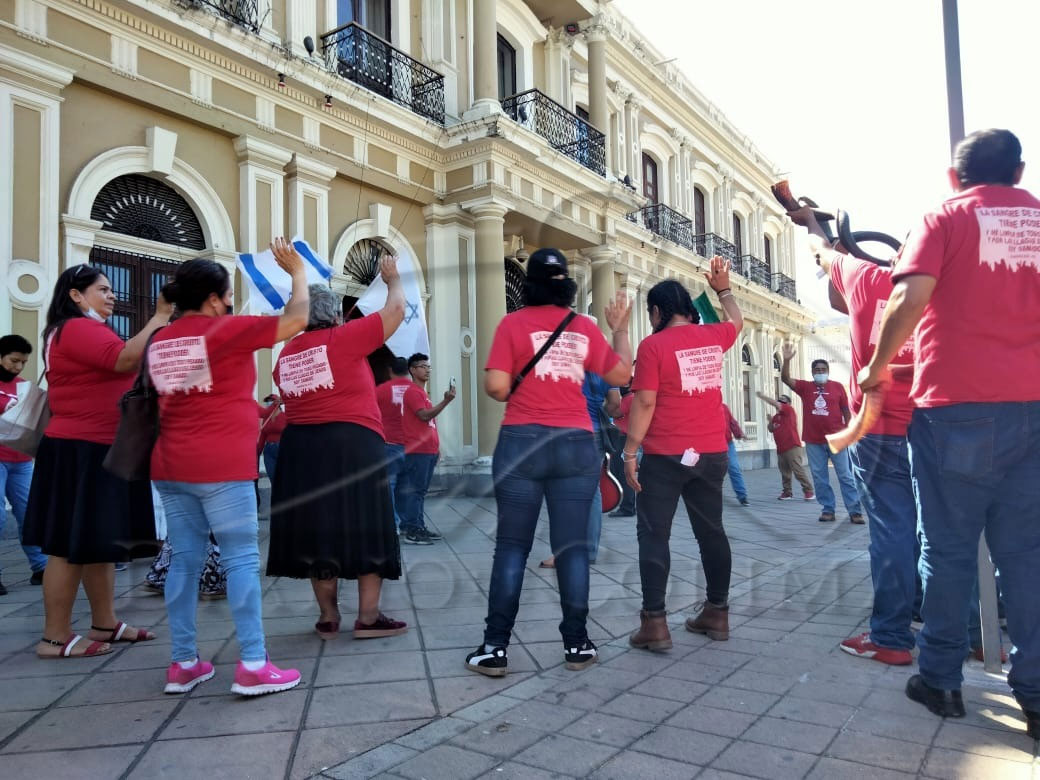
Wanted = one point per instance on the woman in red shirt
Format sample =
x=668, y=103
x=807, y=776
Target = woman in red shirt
x=332, y=516
x=204, y=462
x=678, y=420
x=546, y=450
x=84, y=518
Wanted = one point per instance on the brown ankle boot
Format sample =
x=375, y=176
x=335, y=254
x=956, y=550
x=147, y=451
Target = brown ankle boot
x=653, y=633
x=712, y=620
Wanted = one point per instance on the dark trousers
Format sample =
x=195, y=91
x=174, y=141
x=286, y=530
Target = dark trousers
x=561, y=466
x=664, y=480
x=617, y=468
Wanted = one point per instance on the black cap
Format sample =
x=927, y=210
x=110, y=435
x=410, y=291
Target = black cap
x=544, y=264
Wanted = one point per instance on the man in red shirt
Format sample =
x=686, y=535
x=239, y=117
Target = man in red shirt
x=421, y=449
x=16, y=468
x=784, y=427
x=968, y=281
x=736, y=476
x=825, y=410
x=390, y=397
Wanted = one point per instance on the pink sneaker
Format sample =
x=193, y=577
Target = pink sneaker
x=268, y=679
x=180, y=680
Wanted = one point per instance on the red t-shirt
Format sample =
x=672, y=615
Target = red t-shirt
x=271, y=427
x=821, y=409
x=733, y=428
x=324, y=375
x=684, y=365
x=204, y=370
x=979, y=338
x=420, y=438
x=9, y=400
x=83, y=387
x=621, y=421
x=390, y=397
x=785, y=429
x=551, y=393
x=865, y=288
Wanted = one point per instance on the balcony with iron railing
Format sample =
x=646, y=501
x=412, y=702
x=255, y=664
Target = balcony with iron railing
x=709, y=244
x=245, y=13
x=366, y=59
x=665, y=222
x=566, y=132
x=756, y=270
x=784, y=285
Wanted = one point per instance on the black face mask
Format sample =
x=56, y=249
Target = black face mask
x=5, y=375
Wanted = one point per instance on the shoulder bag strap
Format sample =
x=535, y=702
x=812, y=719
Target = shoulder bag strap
x=541, y=352
x=144, y=379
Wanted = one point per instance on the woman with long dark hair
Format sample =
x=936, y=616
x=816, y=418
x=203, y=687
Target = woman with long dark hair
x=677, y=418
x=332, y=516
x=204, y=462
x=546, y=451
x=84, y=518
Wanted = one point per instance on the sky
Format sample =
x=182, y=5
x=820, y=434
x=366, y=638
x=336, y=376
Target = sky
x=848, y=97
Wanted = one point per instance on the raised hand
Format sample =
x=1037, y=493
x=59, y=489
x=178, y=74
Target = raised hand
x=718, y=273
x=788, y=351
x=388, y=268
x=286, y=256
x=618, y=312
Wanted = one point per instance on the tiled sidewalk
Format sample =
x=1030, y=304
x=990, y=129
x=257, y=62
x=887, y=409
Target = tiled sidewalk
x=778, y=700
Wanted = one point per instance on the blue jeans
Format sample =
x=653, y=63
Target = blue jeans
x=394, y=466
x=819, y=454
x=881, y=467
x=976, y=469
x=736, y=476
x=15, y=479
x=228, y=509
x=561, y=466
x=412, y=484
x=271, y=459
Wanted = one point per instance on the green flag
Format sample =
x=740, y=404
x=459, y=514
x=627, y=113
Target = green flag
x=705, y=309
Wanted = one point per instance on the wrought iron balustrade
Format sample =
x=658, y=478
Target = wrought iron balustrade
x=665, y=222
x=756, y=270
x=784, y=286
x=709, y=244
x=366, y=59
x=565, y=132
x=245, y=13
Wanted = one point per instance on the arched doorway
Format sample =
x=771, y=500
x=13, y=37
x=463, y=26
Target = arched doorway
x=362, y=265
x=161, y=226
x=515, y=277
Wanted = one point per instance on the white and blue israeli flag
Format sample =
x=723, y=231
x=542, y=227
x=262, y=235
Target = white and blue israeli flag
x=411, y=336
x=269, y=285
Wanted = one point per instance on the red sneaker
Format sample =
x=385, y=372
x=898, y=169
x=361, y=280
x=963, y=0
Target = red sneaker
x=181, y=680
x=785, y=496
x=862, y=647
x=383, y=626
x=978, y=655
x=810, y=496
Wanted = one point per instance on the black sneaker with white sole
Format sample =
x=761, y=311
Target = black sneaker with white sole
x=432, y=535
x=415, y=536
x=580, y=657
x=492, y=664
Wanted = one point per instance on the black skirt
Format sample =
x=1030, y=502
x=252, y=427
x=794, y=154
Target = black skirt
x=79, y=511
x=331, y=511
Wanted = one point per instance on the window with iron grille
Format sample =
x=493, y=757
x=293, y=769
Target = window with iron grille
x=136, y=281
x=143, y=207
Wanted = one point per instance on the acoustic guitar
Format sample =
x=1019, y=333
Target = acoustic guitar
x=609, y=487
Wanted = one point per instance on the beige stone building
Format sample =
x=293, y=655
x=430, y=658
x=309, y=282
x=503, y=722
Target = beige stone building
x=138, y=133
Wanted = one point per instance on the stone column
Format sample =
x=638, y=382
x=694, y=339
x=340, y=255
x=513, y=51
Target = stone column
x=485, y=61
x=603, y=259
x=634, y=157
x=599, y=112
x=491, y=308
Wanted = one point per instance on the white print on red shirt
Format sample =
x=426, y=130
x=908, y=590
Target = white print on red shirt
x=305, y=371
x=397, y=396
x=1009, y=236
x=180, y=365
x=875, y=330
x=565, y=358
x=820, y=406
x=700, y=369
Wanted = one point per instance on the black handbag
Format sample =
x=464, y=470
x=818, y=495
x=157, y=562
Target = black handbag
x=130, y=456
x=613, y=438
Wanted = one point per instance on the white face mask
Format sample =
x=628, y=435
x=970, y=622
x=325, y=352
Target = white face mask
x=93, y=314
x=820, y=378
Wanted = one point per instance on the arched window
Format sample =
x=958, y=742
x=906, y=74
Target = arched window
x=362, y=265
x=650, y=191
x=515, y=277
x=373, y=15
x=747, y=361
x=738, y=233
x=777, y=366
x=700, y=221
x=767, y=250
x=506, y=69
x=143, y=208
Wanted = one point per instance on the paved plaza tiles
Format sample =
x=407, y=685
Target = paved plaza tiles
x=778, y=700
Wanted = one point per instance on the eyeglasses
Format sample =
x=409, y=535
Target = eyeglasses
x=422, y=365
